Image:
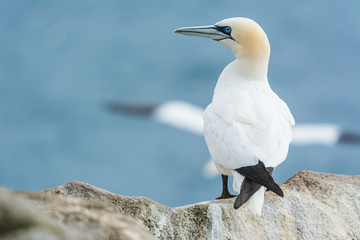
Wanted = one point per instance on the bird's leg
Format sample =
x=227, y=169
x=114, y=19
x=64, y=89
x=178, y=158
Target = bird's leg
x=260, y=175
x=225, y=192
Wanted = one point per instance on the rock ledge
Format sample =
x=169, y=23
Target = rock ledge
x=315, y=206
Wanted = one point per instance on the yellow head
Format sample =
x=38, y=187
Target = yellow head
x=243, y=36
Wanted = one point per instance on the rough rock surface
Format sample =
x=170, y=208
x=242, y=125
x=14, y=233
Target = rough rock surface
x=315, y=206
x=40, y=215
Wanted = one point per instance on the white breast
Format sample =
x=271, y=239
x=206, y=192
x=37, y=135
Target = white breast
x=246, y=121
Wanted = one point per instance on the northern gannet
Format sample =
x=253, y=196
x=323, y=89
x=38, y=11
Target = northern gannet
x=247, y=127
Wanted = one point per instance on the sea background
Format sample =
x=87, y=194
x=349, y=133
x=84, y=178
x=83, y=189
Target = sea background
x=61, y=61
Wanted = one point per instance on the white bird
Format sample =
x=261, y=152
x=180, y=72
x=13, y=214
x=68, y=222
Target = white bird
x=189, y=117
x=247, y=127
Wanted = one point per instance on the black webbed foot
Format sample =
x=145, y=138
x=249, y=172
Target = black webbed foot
x=225, y=196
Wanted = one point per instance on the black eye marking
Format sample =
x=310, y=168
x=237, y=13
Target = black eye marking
x=226, y=30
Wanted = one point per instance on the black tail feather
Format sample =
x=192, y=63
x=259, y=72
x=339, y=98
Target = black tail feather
x=260, y=175
x=248, y=188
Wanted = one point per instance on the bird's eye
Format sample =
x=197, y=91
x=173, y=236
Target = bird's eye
x=227, y=30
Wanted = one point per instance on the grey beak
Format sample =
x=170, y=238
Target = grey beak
x=212, y=32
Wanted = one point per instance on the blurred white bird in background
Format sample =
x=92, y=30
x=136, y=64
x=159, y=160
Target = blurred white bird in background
x=188, y=117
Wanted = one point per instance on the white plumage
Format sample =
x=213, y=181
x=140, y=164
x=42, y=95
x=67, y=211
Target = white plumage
x=246, y=121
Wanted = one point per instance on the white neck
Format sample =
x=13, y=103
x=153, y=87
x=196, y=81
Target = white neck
x=242, y=70
x=239, y=73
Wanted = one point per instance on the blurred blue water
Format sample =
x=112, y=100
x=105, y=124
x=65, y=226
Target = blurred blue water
x=61, y=60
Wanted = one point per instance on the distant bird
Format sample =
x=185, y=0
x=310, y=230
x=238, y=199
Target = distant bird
x=247, y=127
x=189, y=117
